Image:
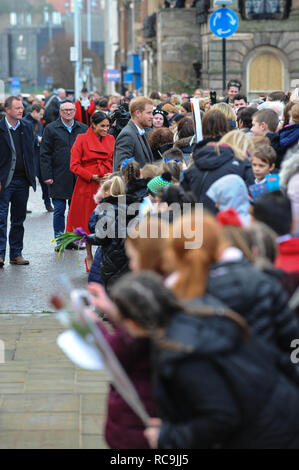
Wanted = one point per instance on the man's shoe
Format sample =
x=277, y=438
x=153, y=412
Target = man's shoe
x=19, y=260
x=50, y=208
x=1, y=262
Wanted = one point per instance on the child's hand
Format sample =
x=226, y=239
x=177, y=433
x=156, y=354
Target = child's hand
x=98, y=196
x=96, y=178
x=152, y=432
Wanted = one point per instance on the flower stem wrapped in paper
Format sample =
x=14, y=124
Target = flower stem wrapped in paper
x=78, y=236
x=197, y=119
x=86, y=346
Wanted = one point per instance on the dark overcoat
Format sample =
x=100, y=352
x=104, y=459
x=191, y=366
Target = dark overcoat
x=6, y=153
x=55, y=156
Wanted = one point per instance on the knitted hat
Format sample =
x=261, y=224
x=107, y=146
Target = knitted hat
x=159, y=182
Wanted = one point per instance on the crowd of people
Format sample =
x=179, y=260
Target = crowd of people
x=202, y=320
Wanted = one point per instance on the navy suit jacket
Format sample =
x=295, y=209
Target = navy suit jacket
x=6, y=153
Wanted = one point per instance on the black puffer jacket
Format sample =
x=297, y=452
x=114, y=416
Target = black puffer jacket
x=261, y=300
x=136, y=190
x=223, y=393
x=111, y=230
x=208, y=167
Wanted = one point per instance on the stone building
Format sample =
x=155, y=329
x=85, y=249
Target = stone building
x=263, y=53
x=176, y=47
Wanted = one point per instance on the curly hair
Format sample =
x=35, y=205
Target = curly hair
x=159, y=137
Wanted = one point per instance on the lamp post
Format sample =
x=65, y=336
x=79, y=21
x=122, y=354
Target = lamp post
x=89, y=24
x=78, y=47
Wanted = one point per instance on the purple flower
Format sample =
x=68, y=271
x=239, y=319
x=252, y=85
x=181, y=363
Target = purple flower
x=81, y=232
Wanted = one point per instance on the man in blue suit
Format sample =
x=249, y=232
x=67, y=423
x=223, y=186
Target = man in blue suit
x=16, y=176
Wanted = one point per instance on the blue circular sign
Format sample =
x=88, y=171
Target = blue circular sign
x=223, y=22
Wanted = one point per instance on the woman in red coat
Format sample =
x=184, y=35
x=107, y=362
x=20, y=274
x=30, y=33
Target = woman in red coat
x=91, y=159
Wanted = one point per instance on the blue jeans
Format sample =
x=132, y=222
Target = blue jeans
x=16, y=194
x=59, y=215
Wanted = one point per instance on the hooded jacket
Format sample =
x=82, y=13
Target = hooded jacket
x=111, y=230
x=262, y=302
x=137, y=190
x=230, y=191
x=289, y=136
x=223, y=392
x=208, y=167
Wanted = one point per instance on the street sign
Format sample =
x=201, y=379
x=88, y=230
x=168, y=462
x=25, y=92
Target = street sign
x=223, y=22
x=112, y=75
x=223, y=2
x=74, y=54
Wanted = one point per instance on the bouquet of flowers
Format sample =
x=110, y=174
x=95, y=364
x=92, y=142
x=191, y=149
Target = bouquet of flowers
x=78, y=236
x=86, y=346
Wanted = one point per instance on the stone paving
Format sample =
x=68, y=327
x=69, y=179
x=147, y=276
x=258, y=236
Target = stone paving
x=46, y=402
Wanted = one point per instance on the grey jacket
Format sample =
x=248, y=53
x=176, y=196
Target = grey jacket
x=130, y=144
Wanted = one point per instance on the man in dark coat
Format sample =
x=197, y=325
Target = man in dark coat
x=16, y=175
x=58, y=139
x=33, y=119
x=53, y=105
x=132, y=141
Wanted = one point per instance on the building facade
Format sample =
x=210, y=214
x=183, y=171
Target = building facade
x=176, y=48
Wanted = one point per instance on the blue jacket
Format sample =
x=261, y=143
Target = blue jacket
x=6, y=153
x=289, y=136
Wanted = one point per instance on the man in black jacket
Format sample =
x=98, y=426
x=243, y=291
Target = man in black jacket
x=132, y=141
x=58, y=139
x=53, y=105
x=16, y=175
x=33, y=119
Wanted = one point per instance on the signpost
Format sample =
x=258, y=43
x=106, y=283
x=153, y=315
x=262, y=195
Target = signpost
x=223, y=23
x=112, y=75
x=15, y=86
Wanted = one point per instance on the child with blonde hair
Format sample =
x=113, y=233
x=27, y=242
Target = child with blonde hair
x=108, y=224
x=173, y=167
x=241, y=143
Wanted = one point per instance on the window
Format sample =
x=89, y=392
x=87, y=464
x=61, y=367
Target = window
x=264, y=9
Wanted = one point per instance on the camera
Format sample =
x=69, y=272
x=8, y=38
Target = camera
x=120, y=117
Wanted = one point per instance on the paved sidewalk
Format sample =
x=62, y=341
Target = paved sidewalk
x=46, y=402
